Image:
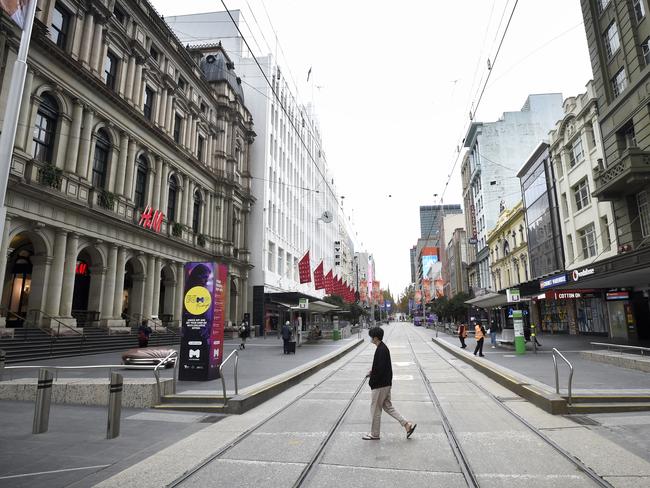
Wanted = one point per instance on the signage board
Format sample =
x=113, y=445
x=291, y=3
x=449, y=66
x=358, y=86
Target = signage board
x=552, y=281
x=303, y=303
x=518, y=322
x=151, y=219
x=576, y=274
x=617, y=295
x=202, y=321
x=512, y=295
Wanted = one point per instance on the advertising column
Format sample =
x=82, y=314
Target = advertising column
x=203, y=321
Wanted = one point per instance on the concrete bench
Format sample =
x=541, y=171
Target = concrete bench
x=507, y=336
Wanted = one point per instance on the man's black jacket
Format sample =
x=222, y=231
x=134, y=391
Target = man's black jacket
x=382, y=371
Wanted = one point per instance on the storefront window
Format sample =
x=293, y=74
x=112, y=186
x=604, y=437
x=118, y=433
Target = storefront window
x=591, y=316
x=555, y=315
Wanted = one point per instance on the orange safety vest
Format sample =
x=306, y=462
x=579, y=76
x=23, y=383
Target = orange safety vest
x=478, y=333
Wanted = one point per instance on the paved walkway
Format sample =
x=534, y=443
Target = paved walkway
x=262, y=359
x=279, y=441
x=588, y=375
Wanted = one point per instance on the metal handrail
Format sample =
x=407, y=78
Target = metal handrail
x=557, y=381
x=223, y=381
x=156, y=374
x=621, y=346
x=58, y=330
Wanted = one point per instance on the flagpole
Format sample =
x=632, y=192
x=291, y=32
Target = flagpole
x=10, y=123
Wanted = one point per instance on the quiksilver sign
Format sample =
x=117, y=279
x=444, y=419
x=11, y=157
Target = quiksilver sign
x=580, y=273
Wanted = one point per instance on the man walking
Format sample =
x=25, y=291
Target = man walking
x=381, y=380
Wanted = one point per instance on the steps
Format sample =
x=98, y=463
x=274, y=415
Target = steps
x=193, y=403
x=31, y=344
x=587, y=404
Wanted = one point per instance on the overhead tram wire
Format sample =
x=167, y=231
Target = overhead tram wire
x=478, y=103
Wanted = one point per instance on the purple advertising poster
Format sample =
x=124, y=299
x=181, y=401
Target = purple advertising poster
x=219, y=318
x=203, y=315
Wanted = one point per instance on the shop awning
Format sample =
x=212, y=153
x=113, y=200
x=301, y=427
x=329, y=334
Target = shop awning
x=318, y=307
x=488, y=300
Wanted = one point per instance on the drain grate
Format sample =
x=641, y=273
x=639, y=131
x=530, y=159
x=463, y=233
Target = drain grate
x=211, y=419
x=582, y=419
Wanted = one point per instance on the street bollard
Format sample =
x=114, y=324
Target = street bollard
x=3, y=358
x=114, y=406
x=43, y=401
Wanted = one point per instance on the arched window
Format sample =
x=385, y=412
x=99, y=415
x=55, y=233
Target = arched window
x=142, y=168
x=171, y=199
x=506, y=247
x=100, y=162
x=45, y=128
x=196, y=214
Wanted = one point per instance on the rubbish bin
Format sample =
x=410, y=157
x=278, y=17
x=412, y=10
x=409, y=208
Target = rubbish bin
x=336, y=335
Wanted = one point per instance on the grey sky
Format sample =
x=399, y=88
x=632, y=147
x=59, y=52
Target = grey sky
x=396, y=79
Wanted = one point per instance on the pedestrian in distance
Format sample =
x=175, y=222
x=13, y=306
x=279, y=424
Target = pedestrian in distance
x=493, y=335
x=286, y=336
x=479, y=335
x=381, y=381
x=244, y=332
x=462, y=333
x=144, y=331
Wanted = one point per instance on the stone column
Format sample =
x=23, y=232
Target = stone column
x=151, y=182
x=130, y=74
x=109, y=283
x=155, y=201
x=164, y=192
x=178, y=300
x=85, y=144
x=112, y=169
x=137, y=86
x=207, y=226
x=155, y=302
x=67, y=292
x=23, y=119
x=119, y=283
x=169, y=122
x=75, y=133
x=209, y=160
x=148, y=287
x=56, y=273
x=204, y=211
x=97, y=47
x=186, y=191
x=40, y=282
x=188, y=131
x=64, y=139
x=162, y=114
x=190, y=204
x=86, y=41
x=130, y=166
x=121, y=164
x=77, y=36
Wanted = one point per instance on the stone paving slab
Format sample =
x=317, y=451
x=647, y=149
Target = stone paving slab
x=296, y=447
x=245, y=474
x=328, y=476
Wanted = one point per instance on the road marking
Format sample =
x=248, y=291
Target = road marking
x=52, y=472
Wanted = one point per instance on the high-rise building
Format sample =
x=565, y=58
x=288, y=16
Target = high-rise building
x=413, y=262
x=431, y=219
x=495, y=152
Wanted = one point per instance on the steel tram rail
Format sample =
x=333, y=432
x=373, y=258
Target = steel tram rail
x=591, y=474
x=461, y=458
x=241, y=437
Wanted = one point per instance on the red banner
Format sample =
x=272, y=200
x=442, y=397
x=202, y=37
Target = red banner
x=376, y=292
x=363, y=290
x=329, y=283
x=304, y=269
x=319, y=278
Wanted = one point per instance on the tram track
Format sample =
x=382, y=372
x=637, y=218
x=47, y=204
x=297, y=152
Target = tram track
x=306, y=472
x=590, y=473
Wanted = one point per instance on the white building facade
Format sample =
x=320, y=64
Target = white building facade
x=588, y=229
x=298, y=209
x=495, y=152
